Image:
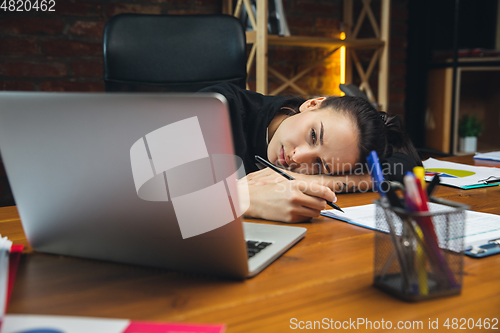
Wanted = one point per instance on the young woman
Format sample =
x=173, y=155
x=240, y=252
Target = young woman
x=321, y=142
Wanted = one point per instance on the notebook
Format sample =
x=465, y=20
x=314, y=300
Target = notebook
x=145, y=179
x=461, y=175
x=480, y=228
x=490, y=156
x=16, y=323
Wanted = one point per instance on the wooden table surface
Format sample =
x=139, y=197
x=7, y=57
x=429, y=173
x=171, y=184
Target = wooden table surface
x=326, y=276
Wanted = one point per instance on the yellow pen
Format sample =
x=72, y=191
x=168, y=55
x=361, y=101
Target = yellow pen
x=420, y=174
x=422, y=273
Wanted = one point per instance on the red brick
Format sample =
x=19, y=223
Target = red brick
x=208, y=3
x=397, y=97
x=115, y=9
x=397, y=55
x=399, y=29
x=328, y=24
x=396, y=108
x=313, y=7
x=17, y=46
x=32, y=25
x=72, y=86
x=74, y=8
x=397, y=84
x=186, y=3
x=399, y=69
x=199, y=11
x=398, y=42
x=284, y=69
x=273, y=84
x=19, y=69
x=88, y=28
x=366, y=30
x=365, y=56
x=17, y=86
x=87, y=69
x=292, y=54
x=399, y=14
x=401, y=4
x=300, y=23
x=71, y=48
x=252, y=85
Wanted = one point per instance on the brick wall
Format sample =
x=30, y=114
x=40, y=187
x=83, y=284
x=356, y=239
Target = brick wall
x=62, y=50
x=397, y=56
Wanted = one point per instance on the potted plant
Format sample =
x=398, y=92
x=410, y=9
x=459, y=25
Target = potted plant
x=469, y=128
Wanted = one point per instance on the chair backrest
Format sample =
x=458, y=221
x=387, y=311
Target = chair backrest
x=173, y=52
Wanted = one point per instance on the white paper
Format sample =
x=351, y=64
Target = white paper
x=5, y=246
x=479, y=227
x=27, y=323
x=492, y=156
x=461, y=175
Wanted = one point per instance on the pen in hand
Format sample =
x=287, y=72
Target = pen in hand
x=287, y=176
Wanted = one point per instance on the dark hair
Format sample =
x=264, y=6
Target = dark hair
x=378, y=130
x=291, y=106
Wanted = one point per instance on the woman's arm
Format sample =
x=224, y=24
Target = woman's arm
x=338, y=183
x=341, y=183
x=282, y=200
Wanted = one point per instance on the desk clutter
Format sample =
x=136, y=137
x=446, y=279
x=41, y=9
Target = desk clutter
x=491, y=156
x=461, y=175
x=409, y=260
x=419, y=251
x=423, y=270
x=482, y=230
x=62, y=324
x=9, y=260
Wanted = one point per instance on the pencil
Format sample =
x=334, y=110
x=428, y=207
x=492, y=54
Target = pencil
x=287, y=176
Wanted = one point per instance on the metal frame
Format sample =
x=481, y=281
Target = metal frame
x=259, y=39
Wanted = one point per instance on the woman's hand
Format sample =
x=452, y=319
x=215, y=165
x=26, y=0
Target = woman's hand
x=272, y=197
x=269, y=176
x=264, y=176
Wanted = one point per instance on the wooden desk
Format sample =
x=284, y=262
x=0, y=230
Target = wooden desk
x=327, y=275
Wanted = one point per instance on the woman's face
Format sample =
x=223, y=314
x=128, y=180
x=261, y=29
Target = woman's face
x=315, y=141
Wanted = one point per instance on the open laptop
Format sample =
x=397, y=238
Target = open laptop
x=146, y=179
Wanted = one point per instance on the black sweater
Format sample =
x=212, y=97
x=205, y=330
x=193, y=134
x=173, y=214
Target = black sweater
x=251, y=113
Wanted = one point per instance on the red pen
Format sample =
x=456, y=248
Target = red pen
x=416, y=201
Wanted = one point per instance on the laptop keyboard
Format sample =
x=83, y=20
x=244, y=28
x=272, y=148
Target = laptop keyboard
x=254, y=247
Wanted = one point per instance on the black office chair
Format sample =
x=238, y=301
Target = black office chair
x=353, y=90
x=173, y=52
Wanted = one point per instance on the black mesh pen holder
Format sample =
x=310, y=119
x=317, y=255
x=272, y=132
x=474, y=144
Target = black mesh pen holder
x=419, y=256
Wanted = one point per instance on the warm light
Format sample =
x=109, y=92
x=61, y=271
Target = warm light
x=342, y=62
x=342, y=67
